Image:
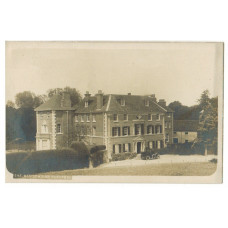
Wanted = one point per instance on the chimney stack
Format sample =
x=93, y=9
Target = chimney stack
x=154, y=99
x=99, y=96
x=162, y=103
x=65, y=101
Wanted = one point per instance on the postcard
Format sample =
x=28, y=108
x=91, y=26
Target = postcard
x=123, y=112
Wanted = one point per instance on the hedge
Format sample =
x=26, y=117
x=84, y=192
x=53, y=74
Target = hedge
x=45, y=161
x=123, y=156
x=99, y=157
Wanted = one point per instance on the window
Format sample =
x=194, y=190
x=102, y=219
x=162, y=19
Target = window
x=87, y=118
x=158, y=129
x=186, y=141
x=58, y=128
x=86, y=104
x=151, y=145
x=149, y=116
x=115, y=117
x=146, y=102
x=126, y=130
x=116, y=131
x=82, y=118
x=94, y=131
x=170, y=125
x=166, y=137
x=186, y=133
x=44, y=128
x=174, y=132
x=94, y=118
x=76, y=118
x=166, y=124
x=157, y=117
x=169, y=114
x=122, y=102
x=139, y=129
x=149, y=129
x=125, y=117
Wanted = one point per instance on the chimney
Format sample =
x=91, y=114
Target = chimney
x=87, y=94
x=162, y=103
x=99, y=96
x=153, y=97
x=65, y=101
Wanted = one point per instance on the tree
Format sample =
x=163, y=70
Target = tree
x=10, y=104
x=75, y=96
x=27, y=99
x=204, y=100
x=179, y=110
x=208, y=121
x=78, y=134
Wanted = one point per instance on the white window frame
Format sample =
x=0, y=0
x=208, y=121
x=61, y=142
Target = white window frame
x=151, y=145
x=87, y=118
x=149, y=117
x=57, y=125
x=159, y=117
x=76, y=118
x=166, y=124
x=116, y=117
x=115, y=131
x=82, y=118
x=126, y=116
x=125, y=129
x=151, y=130
x=94, y=117
x=139, y=129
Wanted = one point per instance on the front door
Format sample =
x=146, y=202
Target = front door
x=138, y=147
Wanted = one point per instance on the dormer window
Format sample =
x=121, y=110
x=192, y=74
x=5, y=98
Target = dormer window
x=86, y=104
x=122, y=102
x=147, y=103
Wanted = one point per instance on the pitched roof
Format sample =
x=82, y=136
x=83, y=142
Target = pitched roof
x=133, y=104
x=54, y=103
x=185, y=125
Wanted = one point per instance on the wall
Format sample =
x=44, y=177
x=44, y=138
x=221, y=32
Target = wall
x=182, y=136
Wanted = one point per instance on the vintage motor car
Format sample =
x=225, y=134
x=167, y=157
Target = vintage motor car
x=149, y=154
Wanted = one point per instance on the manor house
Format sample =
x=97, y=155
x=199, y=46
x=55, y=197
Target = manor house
x=123, y=123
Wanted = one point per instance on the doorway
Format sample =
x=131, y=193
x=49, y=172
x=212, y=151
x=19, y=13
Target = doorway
x=138, y=147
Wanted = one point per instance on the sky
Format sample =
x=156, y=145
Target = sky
x=171, y=71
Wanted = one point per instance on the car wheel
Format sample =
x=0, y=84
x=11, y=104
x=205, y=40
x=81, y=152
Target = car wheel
x=147, y=157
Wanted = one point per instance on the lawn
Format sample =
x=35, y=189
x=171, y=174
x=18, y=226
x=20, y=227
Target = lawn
x=175, y=169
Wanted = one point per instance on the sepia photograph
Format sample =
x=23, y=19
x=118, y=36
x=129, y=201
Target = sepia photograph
x=131, y=112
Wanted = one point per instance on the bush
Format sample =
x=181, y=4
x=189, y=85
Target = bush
x=123, y=156
x=46, y=161
x=99, y=157
x=182, y=149
x=80, y=147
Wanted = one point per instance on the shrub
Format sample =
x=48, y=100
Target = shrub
x=123, y=156
x=80, y=147
x=46, y=161
x=99, y=157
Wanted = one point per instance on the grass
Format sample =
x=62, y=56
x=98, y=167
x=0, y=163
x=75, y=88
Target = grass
x=175, y=169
